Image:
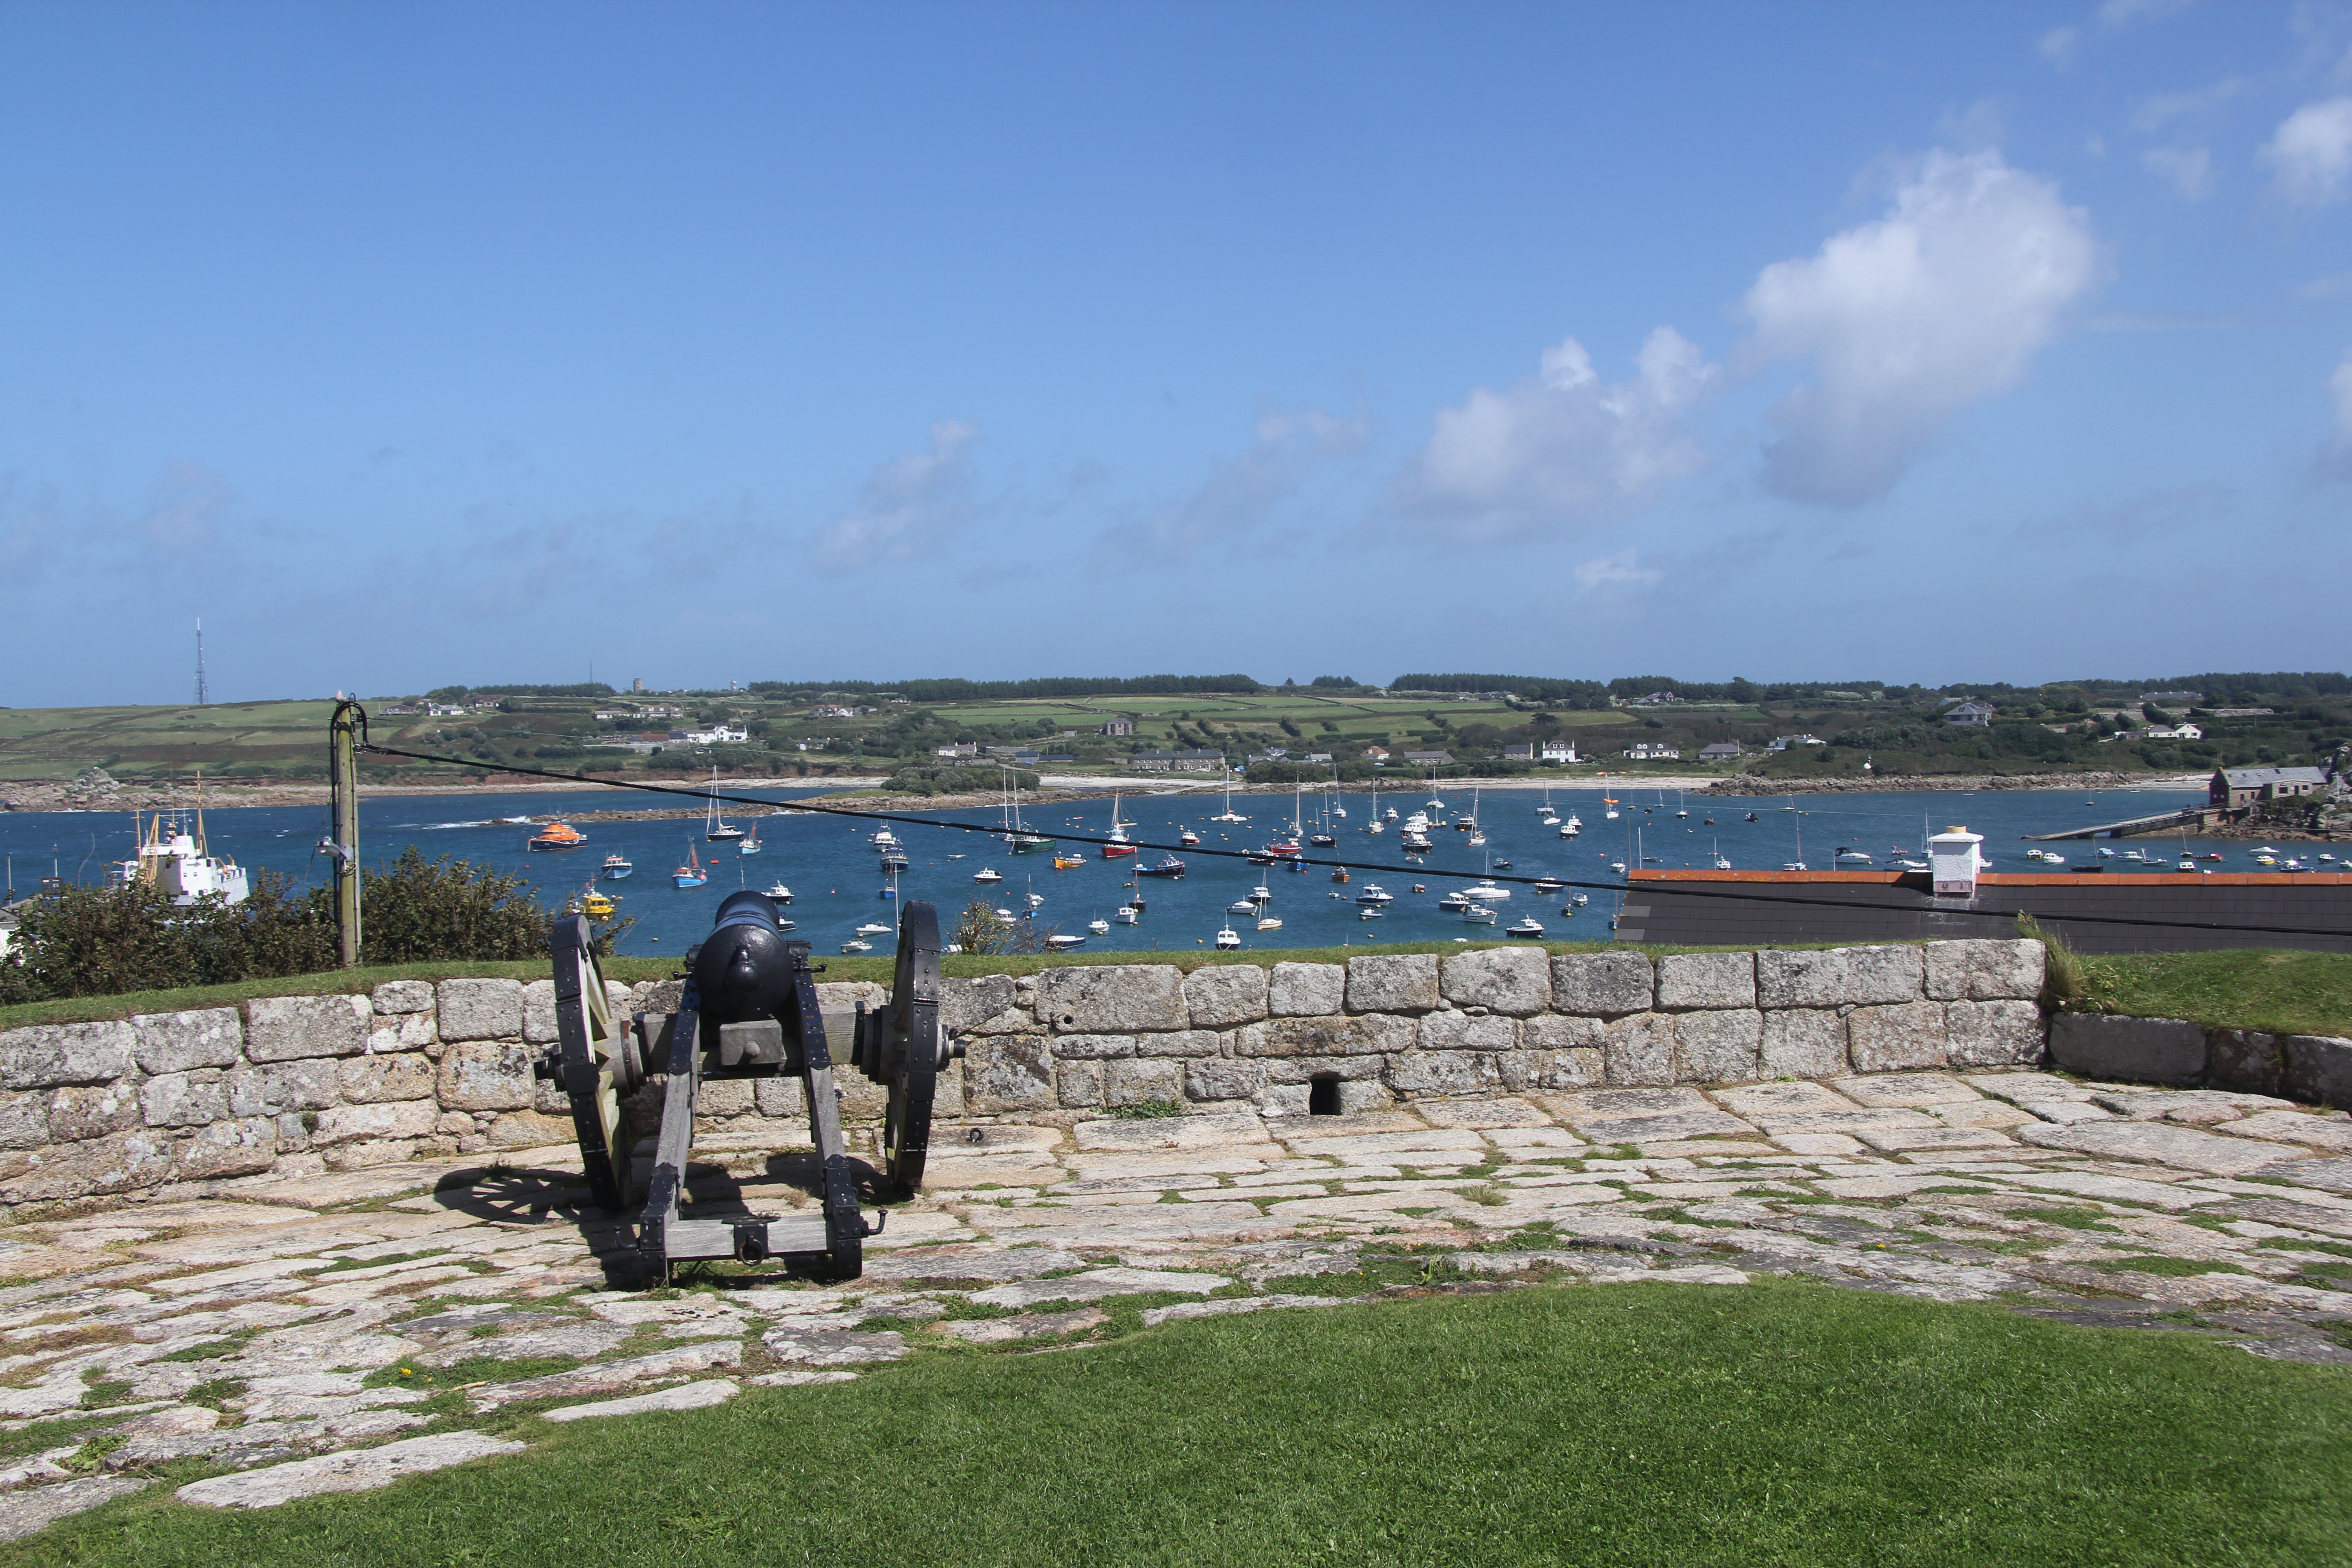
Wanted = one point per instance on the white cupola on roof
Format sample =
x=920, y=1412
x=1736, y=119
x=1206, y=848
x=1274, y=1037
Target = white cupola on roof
x=1953, y=862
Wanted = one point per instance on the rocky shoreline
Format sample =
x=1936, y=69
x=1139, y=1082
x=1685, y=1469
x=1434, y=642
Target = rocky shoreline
x=1756, y=784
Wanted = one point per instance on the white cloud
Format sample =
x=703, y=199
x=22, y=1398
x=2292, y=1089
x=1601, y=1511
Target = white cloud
x=1908, y=318
x=2339, y=387
x=2312, y=151
x=1621, y=570
x=2155, y=113
x=2188, y=170
x=1242, y=495
x=2061, y=45
x=1563, y=447
x=907, y=506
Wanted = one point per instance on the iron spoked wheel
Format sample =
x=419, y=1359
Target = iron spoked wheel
x=598, y=1063
x=913, y=1025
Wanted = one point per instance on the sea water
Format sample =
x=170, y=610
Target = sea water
x=837, y=885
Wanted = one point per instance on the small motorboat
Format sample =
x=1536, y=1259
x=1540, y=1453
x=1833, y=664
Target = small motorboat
x=596, y=906
x=1478, y=915
x=1166, y=866
x=1529, y=927
x=1486, y=892
x=1061, y=942
x=1269, y=923
x=1374, y=893
x=1188, y=839
x=985, y=875
x=857, y=946
x=873, y=928
x=1453, y=904
x=1126, y=914
x=1227, y=937
x=616, y=867
x=1581, y=899
x=779, y=893
x=1241, y=906
x=557, y=836
x=1501, y=864
x=1548, y=884
x=1099, y=926
x=1371, y=913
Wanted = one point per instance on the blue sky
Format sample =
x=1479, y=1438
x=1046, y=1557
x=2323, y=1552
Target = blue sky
x=411, y=344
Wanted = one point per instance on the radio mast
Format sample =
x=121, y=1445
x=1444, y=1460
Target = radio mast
x=201, y=696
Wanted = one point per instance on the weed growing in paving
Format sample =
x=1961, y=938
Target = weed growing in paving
x=2179, y=1268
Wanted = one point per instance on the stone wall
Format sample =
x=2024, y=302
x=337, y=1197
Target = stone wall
x=297, y=1085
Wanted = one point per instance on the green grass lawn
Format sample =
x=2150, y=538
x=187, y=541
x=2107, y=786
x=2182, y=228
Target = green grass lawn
x=2244, y=988
x=1779, y=1423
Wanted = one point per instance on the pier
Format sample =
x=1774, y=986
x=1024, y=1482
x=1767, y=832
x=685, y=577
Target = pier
x=2188, y=818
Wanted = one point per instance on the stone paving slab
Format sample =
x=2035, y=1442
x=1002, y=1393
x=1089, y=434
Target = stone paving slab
x=1930, y=1183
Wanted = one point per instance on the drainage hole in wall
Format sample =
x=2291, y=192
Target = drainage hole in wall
x=1323, y=1095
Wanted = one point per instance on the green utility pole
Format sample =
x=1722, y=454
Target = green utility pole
x=344, y=731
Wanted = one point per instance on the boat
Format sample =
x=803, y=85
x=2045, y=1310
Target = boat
x=1374, y=893
x=1529, y=927
x=1071, y=862
x=1581, y=899
x=1188, y=839
x=1486, y=892
x=557, y=836
x=1477, y=840
x=1478, y=915
x=1227, y=937
x=894, y=860
x=1166, y=865
x=1340, y=874
x=1017, y=836
x=779, y=893
x=873, y=928
x=1373, y=822
x=1241, y=906
x=1269, y=922
x=1453, y=903
x=1229, y=813
x=1610, y=803
x=1390, y=815
x=616, y=867
x=1722, y=863
x=1568, y=829
x=1848, y=854
x=596, y=906
x=1370, y=913
x=693, y=874
x=1262, y=893
x=1099, y=926
x=1126, y=914
x=984, y=875
x=749, y=845
x=1118, y=846
x=882, y=838
x=1548, y=884
x=714, y=826
x=1062, y=941
x=858, y=944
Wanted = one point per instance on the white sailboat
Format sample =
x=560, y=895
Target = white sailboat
x=1229, y=813
x=715, y=829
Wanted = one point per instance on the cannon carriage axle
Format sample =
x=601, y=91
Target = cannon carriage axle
x=749, y=1010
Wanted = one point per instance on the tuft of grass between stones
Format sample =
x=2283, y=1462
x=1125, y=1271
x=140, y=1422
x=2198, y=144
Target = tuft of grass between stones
x=2176, y=1268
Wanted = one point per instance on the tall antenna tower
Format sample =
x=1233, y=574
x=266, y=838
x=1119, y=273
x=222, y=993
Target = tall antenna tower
x=202, y=696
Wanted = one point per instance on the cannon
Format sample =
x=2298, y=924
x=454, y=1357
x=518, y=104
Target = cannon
x=748, y=1009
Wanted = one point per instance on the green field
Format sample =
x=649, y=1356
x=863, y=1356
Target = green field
x=1646, y=1425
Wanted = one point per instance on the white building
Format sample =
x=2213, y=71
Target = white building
x=1562, y=751
x=1654, y=751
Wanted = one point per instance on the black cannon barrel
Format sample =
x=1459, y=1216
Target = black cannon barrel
x=744, y=970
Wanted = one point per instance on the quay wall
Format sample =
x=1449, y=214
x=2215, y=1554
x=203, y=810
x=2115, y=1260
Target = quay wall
x=299, y=1085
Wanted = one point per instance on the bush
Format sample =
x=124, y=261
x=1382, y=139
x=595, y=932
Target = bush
x=99, y=941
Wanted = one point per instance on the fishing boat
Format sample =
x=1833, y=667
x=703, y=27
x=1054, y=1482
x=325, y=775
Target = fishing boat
x=1188, y=839
x=895, y=859
x=1072, y=862
x=1099, y=926
x=1569, y=829
x=1374, y=893
x=692, y=873
x=1478, y=915
x=1166, y=865
x=1453, y=904
x=596, y=906
x=1527, y=927
x=779, y=893
x=715, y=828
x=882, y=838
x=985, y=875
x=617, y=867
x=1126, y=914
x=1227, y=937
x=1340, y=874
x=557, y=836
